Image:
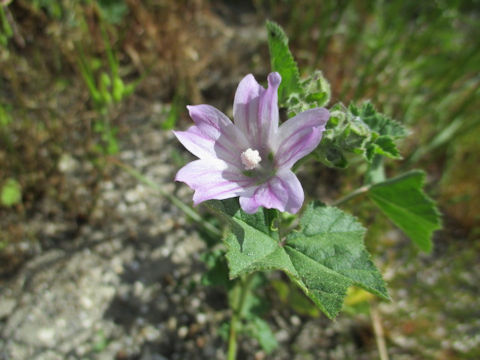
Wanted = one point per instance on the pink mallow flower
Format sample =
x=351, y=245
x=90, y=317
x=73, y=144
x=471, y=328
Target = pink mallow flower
x=252, y=157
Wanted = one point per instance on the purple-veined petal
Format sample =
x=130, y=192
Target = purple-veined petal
x=255, y=110
x=245, y=104
x=267, y=122
x=209, y=119
x=282, y=192
x=197, y=143
x=204, y=147
x=249, y=204
x=227, y=142
x=213, y=179
x=299, y=136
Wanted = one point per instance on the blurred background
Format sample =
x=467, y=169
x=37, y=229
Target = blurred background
x=95, y=265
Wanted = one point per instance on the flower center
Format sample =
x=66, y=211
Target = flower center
x=250, y=159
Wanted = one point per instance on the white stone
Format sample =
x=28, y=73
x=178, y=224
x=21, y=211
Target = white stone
x=201, y=318
x=6, y=307
x=183, y=331
x=86, y=302
x=295, y=320
x=46, y=335
x=67, y=164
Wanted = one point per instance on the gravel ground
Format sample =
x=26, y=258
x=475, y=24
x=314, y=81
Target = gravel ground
x=127, y=286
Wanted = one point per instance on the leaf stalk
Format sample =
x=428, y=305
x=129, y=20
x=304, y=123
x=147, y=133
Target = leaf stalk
x=237, y=316
x=353, y=194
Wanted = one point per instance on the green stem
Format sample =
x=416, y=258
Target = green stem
x=112, y=61
x=376, y=171
x=353, y=194
x=232, y=338
x=5, y=25
x=279, y=225
x=237, y=316
x=190, y=212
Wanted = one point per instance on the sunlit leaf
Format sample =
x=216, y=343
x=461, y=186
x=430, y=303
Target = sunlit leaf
x=11, y=193
x=403, y=200
x=323, y=259
x=330, y=256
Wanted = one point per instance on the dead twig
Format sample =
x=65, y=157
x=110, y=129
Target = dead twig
x=379, y=335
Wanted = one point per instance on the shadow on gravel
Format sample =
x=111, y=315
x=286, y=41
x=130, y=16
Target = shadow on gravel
x=159, y=299
x=139, y=296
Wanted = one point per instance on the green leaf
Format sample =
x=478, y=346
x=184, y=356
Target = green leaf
x=262, y=220
x=358, y=130
x=330, y=256
x=377, y=122
x=252, y=242
x=295, y=298
x=383, y=145
x=282, y=61
x=217, y=273
x=173, y=114
x=403, y=200
x=250, y=250
x=357, y=301
x=329, y=153
x=100, y=341
x=253, y=306
x=383, y=131
x=118, y=89
x=5, y=117
x=113, y=11
x=260, y=330
x=324, y=259
x=11, y=193
x=354, y=135
x=315, y=92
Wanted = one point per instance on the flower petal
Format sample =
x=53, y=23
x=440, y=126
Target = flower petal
x=282, y=192
x=209, y=119
x=226, y=140
x=249, y=204
x=267, y=125
x=255, y=110
x=299, y=136
x=213, y=179
x=197, y=143
x=245, y=104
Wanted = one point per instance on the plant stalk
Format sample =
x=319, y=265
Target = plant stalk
x=379, y=335
x=353, y=194
x=237, y=316
x=232, y=338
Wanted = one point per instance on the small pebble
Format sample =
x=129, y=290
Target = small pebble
x=183, y=332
